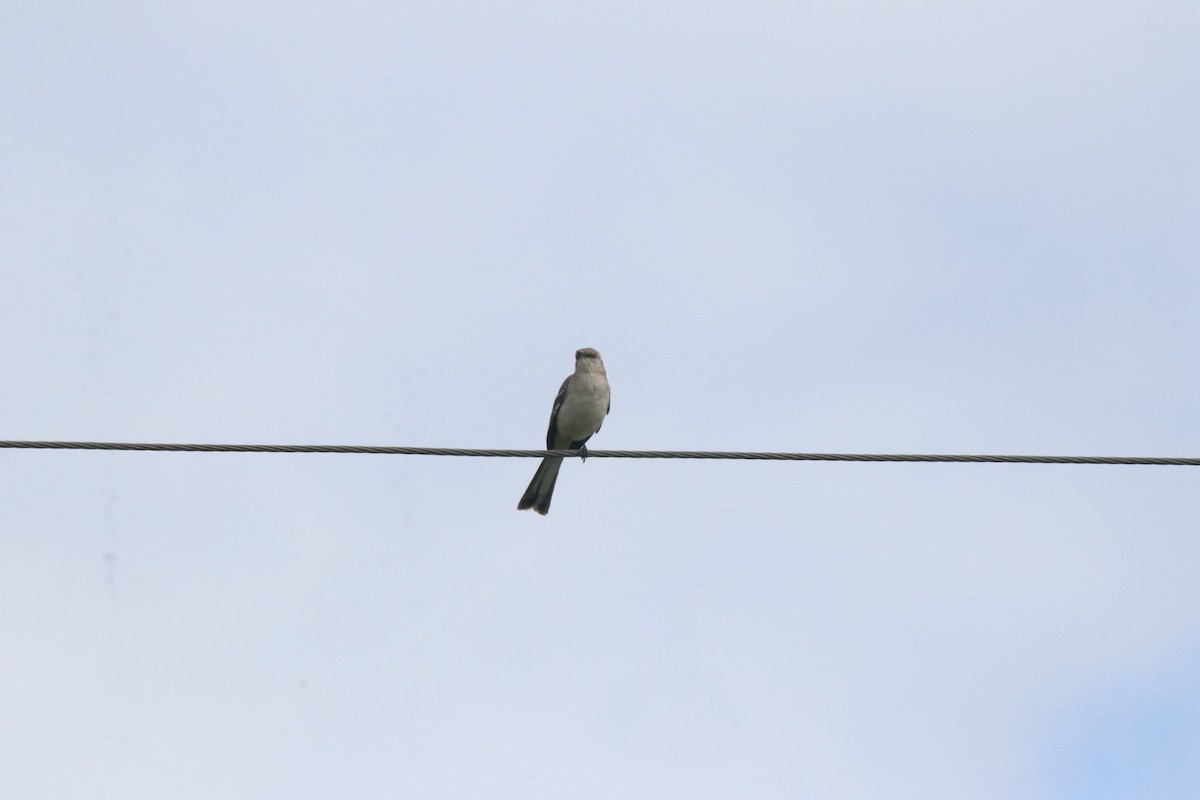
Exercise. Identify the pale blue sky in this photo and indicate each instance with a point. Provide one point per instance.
(935, 227)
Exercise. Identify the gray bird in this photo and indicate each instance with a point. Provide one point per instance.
(579, 411)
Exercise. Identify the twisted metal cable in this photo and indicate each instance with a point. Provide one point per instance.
(691, 454)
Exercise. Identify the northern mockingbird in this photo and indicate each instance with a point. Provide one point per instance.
(578, 412)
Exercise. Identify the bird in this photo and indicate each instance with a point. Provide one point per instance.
(579, 410)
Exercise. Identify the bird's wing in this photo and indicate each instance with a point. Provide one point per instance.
(552, 432)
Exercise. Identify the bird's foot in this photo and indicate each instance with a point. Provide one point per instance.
(583, 452)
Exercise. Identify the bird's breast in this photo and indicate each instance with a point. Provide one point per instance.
(583, 409)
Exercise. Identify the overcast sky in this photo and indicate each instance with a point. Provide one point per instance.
(858, 227)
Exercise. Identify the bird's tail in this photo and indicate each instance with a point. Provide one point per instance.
(541, 488)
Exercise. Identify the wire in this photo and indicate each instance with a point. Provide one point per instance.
(694, 454)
